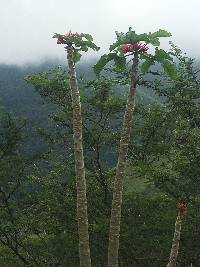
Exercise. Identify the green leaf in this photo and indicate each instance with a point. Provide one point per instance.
(93, 46)
(87, 36)
(118, 43)
(84, 48)
(119, 35)
(131, 37)
(56, 35)
(161, 54)
(154, 41)
(143, 37)
(72, 39)
(98, 67)
(76, 56)
(147, 64)
(154, 37)
(89, 44)
(120, 62)
(169, 68)
(160, 33)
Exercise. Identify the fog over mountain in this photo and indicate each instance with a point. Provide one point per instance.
(28, 25)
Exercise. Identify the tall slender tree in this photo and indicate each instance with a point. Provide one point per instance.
(181, 207)
(134, 46)
(75, 43)
(121, 168)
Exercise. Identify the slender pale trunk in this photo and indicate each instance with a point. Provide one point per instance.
(176, 240)
(84, 249)
(120, 171)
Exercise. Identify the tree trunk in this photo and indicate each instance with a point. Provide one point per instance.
(84, 249)
(175, 242)
(120, 171)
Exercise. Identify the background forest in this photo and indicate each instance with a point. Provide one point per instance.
(38, 224)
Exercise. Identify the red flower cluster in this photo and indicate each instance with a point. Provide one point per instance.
(139, 47)
(71, 34)
(68, 35)
(60, 41)
(126, 48)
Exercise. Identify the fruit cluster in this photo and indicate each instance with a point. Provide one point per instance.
(136, 47)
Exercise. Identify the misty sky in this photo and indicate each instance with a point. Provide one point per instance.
(26, 26)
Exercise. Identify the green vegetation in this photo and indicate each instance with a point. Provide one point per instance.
(38, 224)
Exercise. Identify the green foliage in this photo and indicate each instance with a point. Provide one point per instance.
(154, 37)
(79, 42)
(102, 113)
(131, 37)
(149, 61)
(160, 33)
(161, 54)
(169, 134)
(162, 57)
(87, 36)
(164, 158)
(76, 56)
(38, 197)
(169, 68)
(120, 62)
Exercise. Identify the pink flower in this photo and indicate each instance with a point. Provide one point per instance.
(139, 47)
(127, 48)
(70, 34)
(142, 48)
(60, 41)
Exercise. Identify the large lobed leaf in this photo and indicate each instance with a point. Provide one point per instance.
(120, 62)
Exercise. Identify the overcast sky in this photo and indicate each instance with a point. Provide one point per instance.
(26, 26)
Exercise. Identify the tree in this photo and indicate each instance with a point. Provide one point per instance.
(182, 207)
(129, 44)
(14, 164)
(169, 135)
(75, 43)
(170, 154)
(155, 181)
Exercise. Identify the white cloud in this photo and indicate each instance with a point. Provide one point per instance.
(27, 25)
